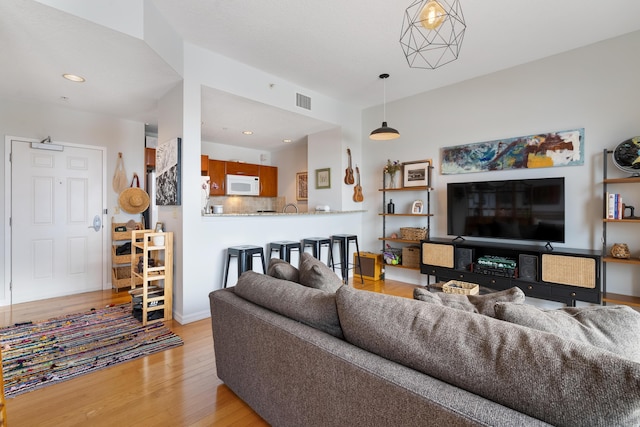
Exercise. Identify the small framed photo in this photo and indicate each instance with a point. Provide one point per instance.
(302, 192)
(417, 174)
(159, 227)
(323, 178)
(417, 207)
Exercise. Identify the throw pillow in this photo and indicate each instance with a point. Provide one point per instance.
(482, 304)
(315, 274)
(616, 328)
(561, 382)
(312, 307)
(281, 269)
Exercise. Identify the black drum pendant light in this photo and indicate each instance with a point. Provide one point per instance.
(384, 132)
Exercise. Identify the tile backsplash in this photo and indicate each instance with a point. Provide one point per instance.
(247, 204)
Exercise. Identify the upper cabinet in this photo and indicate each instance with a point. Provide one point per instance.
(268, 181)
(217, 177)
(150, 158)
(239, 168)
(218, 169)
(204, 165)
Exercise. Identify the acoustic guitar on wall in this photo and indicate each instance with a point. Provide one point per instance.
(348, 177)
(357, 189)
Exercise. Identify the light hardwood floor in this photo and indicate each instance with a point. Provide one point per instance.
(177, 387)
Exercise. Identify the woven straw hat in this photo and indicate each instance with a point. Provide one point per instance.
(134, 200)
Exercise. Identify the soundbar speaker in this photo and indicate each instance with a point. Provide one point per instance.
(528, 267)
(464, 259)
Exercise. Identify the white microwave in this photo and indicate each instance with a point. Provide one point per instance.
(243, 185)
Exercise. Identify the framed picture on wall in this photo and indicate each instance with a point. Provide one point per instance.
(323, 178)
(168, 176)
(302, 192)
(417, 174)
(417, 207)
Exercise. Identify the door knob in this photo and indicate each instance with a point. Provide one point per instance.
(97, 223)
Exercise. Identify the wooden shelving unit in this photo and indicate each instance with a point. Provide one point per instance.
(155, 297)
(608, 297)
(424, 218)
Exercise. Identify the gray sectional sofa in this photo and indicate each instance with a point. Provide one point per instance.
(317, 353)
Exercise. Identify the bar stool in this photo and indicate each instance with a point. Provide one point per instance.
(284, 248)
(343, 241)
(316, 244)
(245, 254)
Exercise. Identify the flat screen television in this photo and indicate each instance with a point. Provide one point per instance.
(520, 209)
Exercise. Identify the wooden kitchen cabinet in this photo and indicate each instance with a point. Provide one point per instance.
(268, 181)
(217, 177)
(239, 168)
(204, 165)
(150, 158)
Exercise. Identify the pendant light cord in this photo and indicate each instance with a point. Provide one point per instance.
(384, 99)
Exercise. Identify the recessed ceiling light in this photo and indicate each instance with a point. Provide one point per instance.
(286, 140)
(247, 132)
(74, 78)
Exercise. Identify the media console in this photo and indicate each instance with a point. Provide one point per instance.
(560, 274)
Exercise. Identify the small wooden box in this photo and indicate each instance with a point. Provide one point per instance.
(371, 265)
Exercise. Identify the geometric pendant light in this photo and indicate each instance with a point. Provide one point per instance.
(432, 33)
(384, 132)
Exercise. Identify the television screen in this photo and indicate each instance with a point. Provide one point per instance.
(523, 209)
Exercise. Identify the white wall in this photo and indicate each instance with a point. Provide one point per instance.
(595, 87)
(221, 151)
(289, 161)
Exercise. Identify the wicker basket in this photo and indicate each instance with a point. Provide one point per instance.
(123, 235)
(458, 287)
(411, 256)
(121, 277)
(413, 233)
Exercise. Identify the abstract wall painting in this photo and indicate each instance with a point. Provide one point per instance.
(168, 180)
(543, 150)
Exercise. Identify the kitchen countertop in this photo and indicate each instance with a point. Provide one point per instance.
(280, 213)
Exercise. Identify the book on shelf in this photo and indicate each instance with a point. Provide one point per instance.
(614, 206)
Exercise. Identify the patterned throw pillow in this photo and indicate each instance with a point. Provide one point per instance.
(482, 304)
(615, 328)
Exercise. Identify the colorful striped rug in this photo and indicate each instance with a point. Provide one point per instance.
(46, 352)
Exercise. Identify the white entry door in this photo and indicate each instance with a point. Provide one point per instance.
(55, 198)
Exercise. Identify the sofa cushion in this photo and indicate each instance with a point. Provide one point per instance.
(615, 328)
(482, 304)
(315, 274)
(562, 382)
(281, 269)
(310, 306)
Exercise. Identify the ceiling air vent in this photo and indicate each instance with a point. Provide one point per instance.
(303, 101)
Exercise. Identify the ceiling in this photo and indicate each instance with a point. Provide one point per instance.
(333, 47)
